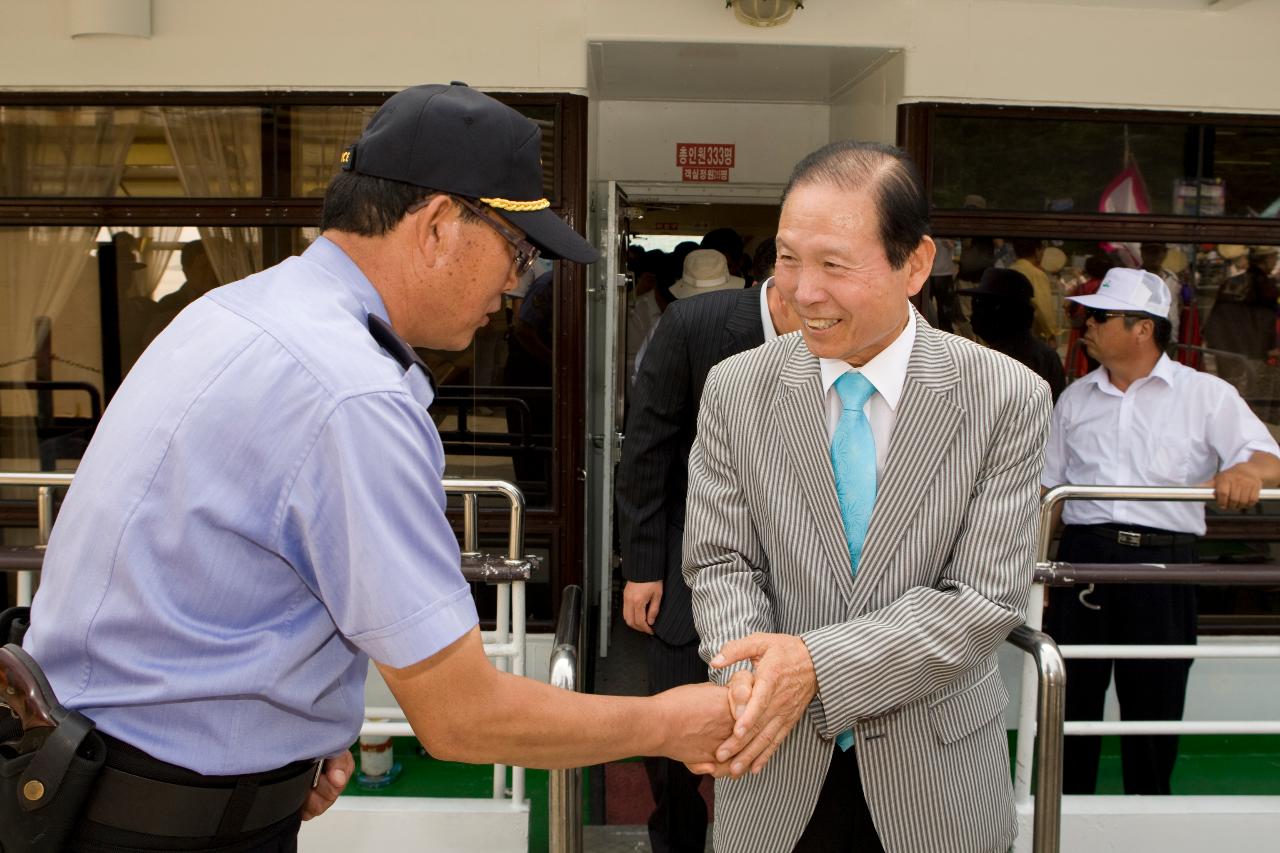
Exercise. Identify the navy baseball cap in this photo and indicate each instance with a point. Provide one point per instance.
(460, 141)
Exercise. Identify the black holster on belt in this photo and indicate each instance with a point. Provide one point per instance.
(49, 759)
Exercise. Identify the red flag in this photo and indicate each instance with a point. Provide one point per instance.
(1125, 194)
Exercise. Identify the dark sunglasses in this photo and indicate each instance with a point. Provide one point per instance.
(1102, 315)
(526, 252)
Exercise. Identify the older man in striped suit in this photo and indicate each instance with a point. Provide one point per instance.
(858, 541)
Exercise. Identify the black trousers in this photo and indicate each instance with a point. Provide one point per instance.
(841, 819)
(281, 837)
(679, 819)
(1147, 689)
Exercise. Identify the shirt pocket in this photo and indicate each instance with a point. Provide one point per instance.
(1170, 457)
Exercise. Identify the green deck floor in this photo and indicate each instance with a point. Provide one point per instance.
(1207, 764)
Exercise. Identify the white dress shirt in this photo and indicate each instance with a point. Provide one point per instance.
(766, 317)
(887, 372)
(1174, 427)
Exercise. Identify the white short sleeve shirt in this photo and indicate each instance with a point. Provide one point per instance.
(1174, 427)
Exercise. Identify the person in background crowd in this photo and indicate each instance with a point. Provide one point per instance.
(1140, 419)
(646, 304)
(1002, 317)
(1243, 318)
(729, 243)
(1029, 252)
(940, 291)
(1079, 360)
(766, 257)
(1153, 255)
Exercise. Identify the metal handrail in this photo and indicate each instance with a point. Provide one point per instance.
(45, 482)
(564, 787)
(1050, 708)
(1057, 494)
(1063, 573)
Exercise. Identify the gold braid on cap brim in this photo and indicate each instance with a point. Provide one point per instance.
(517, 206)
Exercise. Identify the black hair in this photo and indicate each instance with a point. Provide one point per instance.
(998, 319)
(369, 206)
(1026, 247)
(1096, 266)
(766, 258)
(1162, 333)
(895, 183)
(726, 241)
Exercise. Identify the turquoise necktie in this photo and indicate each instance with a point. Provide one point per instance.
(853, 459)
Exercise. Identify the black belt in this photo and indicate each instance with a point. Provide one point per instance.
(1139, 537)
(134, 803)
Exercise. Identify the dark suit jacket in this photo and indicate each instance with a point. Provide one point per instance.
(693, 336)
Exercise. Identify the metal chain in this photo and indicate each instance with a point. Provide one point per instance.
(87, 367)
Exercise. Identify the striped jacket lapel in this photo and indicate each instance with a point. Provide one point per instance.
(800, 421)
(926, 423)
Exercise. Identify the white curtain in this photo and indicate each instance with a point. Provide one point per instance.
(49, 152)
(319, 136)
(52, 152)
(218, 154)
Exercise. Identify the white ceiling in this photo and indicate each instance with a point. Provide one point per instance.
(664, 71)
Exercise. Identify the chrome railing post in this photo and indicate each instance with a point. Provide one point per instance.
(509, 632)
(1050, 709)
(45, 483)
(564, 787)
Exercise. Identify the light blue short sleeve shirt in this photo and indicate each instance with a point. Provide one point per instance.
(260, 511)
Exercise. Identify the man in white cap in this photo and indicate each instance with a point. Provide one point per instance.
(1140, 419)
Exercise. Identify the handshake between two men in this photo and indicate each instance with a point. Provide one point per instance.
(765, 702)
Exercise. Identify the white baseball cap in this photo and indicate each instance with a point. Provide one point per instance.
(1131, 291)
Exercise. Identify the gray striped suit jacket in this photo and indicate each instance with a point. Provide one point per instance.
(904, 654)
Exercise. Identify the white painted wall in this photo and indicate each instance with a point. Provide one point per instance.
(636, 140)
(1176, 54)
(868, 111)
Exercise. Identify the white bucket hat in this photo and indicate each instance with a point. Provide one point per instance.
(705, 271)
(1132, 291)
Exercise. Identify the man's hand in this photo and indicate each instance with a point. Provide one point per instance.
(1237, 487)
(696, 719)
(781, 688)
(334, 774)
(640, 603)
(739, 695)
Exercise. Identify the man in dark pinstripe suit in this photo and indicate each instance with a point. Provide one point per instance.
(859, 632)
(693, 335)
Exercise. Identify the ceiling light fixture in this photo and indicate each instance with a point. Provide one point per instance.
(764, 13)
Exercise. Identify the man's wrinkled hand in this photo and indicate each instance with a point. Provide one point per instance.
(697, 720)
(781, 688)
(334, 774)
(640, 603)
(739, 694)
(1237, 487)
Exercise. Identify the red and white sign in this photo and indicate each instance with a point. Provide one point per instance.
(704, 176)
(705, 154)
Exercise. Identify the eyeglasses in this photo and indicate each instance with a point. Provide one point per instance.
(526, 252)
(1102, 315)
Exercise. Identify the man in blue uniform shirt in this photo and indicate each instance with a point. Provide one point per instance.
(261, 510)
